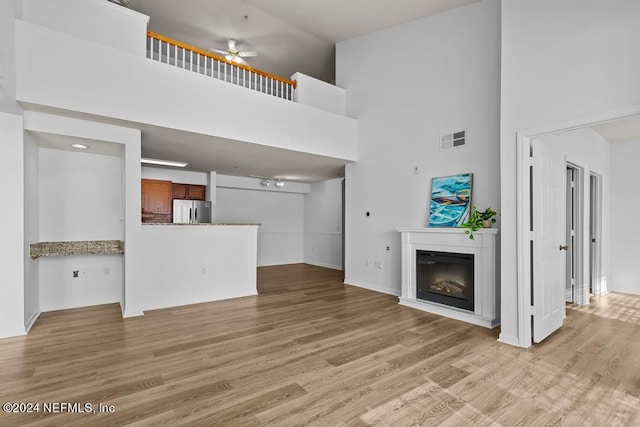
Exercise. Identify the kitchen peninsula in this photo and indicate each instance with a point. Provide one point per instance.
(195, 263)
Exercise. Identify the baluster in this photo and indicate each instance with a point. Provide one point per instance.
(154, 52)
(175, 55)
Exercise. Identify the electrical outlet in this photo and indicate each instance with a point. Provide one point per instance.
(76, 274)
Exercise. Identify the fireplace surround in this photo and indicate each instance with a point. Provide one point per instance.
(479, 258)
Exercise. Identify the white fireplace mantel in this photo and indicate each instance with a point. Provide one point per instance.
(454, 240)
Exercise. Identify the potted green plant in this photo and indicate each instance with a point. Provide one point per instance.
(479, 219)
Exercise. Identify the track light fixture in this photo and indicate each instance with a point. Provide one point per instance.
(265, 181)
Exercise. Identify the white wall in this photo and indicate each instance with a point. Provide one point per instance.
(216, 262)
(31, 229)
(451, 82)
(8, 11)
(318, 94)
(80, 199)
(323, 224)
(11, 227)
(588, 150)
(80, 196)
(625, 205)
(96, 79)
(561, 60)
(93, 20)
(281, 219)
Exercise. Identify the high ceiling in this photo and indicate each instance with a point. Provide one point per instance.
(289, 35)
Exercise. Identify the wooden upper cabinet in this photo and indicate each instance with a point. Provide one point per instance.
(180, 191)
(156, 200)
(197, 192)
(189, 191)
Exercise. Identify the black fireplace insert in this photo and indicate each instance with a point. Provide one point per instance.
(445, 278)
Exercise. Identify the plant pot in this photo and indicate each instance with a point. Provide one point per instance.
(487, 223)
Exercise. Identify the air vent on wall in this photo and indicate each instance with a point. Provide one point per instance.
(453, 140)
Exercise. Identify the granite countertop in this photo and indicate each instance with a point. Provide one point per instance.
(77, 247)
(205, 223)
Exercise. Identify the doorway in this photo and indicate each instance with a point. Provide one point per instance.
(595, 235)
(574, 285)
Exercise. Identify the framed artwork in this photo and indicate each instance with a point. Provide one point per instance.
(450, 200)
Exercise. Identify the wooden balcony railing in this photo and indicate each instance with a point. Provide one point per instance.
(181, 55)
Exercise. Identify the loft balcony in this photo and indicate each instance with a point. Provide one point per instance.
(157, 83)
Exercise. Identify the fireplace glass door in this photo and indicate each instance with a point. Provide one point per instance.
(445, 278)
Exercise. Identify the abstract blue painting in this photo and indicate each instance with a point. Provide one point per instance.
(450, 200)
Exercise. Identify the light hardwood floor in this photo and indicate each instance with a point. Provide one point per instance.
(309, 350)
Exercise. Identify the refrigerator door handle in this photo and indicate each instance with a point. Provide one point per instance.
(196, 217)
(189, 214)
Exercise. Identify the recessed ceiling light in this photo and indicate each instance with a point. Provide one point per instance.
(80, 146)
(163, 162)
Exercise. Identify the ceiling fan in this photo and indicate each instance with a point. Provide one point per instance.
(233, 54)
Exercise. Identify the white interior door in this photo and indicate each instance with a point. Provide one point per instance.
(549, 246)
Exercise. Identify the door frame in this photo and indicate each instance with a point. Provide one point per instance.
(524, 262)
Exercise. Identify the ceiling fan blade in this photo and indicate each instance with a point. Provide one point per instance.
(232, 44)
(247, 54)
(239, 60)
(221, 52)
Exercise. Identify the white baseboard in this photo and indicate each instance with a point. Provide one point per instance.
(509, 339)
(319, 264)
(622, 291)
(132, 313)
(381, 289)
(31, 321)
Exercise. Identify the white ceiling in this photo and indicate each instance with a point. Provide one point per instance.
(620, 130)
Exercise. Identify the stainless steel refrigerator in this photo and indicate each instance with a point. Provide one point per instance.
(192, 211)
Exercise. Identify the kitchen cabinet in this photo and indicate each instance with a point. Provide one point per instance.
(189, 191)
(156, 200)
